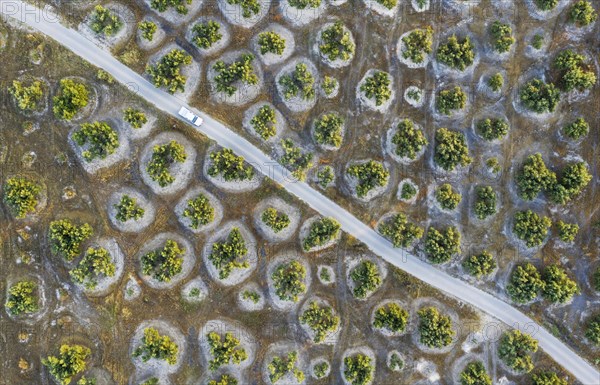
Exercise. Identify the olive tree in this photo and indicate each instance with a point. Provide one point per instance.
(502, 36)
(229, 254)
(480, 264)
(206, 34)
(534, 177)
(280, 366)
(271, 42)
(164, 156)
(456, 53)
(576, 129)
(441, 245)
(451, 149)
(336, 42)
(408, 140)
(163, 5)
(369, 175)
(321, 319)
(576, 71)
(447, 197)
(289, 280)
(164, 263)
(391, 317)
(229, 166)
(300, 82)
(558, 287)
(295, 160)
(104, 21)
(100, 140)
(167, 72)
(154, 345)
(358, 369)
(21, 195)
(70, 99)
(377, 87)
(525, 283)
(400, 231)
(514, 349)
(539, 96)
(66, 238)
(23, 298)
(366, 278)
(71, 360)
(475, 374)
(264, 122)
(449, 100)
(582, 13)
(417, 44)
(148, 29)
(328, 130)
(238, 71)
(225, 351)
(435, 328)
(96, 263)
(28, 98)
(199, 211)
(531, 228)
(547, 378)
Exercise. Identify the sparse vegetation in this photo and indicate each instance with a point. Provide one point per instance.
(450, 100)
(369, 175)
(167, 72)
(417, 44)
(451, 149)
(325, 176)
(199, 211)
(206, 34)
(70, 361)
(225, 379)
(28, 98)
(479, 265)
(225, 352)
(23, 298)
(502, 36)
(70, 99)
(514, 349)
(264, 122)
(164, 263)
(456, 53)
(163, 157)
(547, 378)
(303, 4)
(377, 87)
(96, 263)
(22, 196)
(328, 130)
(408, 139)
(485, 202)
(229, 166)
(229, 254)
(321, 320)
(336, 42)
(558, 287)
(300, 82)
(156, 346)
(400, 232)
(135, 118)
(447, 197)
(525, 283)
(66, 238)
(358, 369)
(435, 328)
(163, 5)
(104, 21)
(366, 279)
(320, 233)
(275, 220)
(295, 160)
(100, 140)
(148, 29)
(441, 245)
(282, 365)
(391, 317)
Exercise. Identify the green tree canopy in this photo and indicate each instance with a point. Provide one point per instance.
(229, 254)
(400, 232)
(456, 53)
(481, 264)
(163, 157)
(299, 82)
(164, 263)
(289, 280)
(167, 72)
(157, 346)
(531, 228)
(96, 263)
(525, 283)
(230, 166)
(475, 374)
(417, 44)
(358, 369)
(441, 245)
(28, 98)
(70, 99)
(408, 139)
(100, 140)
(514, 349)
(229, 75)
(391, 317)
(336, 42)
(70, 361)
(435, 328)
(369, 175)
(295, 160)
(199, 211)
(366, 278)
(66, 238)
(23, 298)
(558, 287)
(21, 195)
(450, 100)
(378, 87)
(321, 232)
(539, 96)
(225, 351)
(321, 319)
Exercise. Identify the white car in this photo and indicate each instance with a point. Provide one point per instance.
(190, 116)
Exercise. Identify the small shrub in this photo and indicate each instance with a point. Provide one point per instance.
(415, 94)
(28, 98)
(328, 130)
(66, 238)
(264, 122)
(275, 220)
(531, 228)
(294, 160)
(408, 191)
(325, 176)
(167, 72)
(22, 196)
(546, 5)
(320, 369)
(592, 332)
(303, 4)
(229, 166)
(493, 165)
(525, 283)
(164, 263)
(358, 369)
(475, 374)
(320, 233)
(558, 287)
(369, 175)
(408, 139)
(70, 361)
(321, 320)
(547, 378)
(378, 87)
(391, 317)
(514, 349)
(400, 232)
(105, 21)
(299, 82)
(479, 265)
(23, 298)
(280, 366)
(148, 29)
(229, 254)
(135, 118)
(101, 140)
(539, 97)
(451, 149)
(271, 42)
(249, 7)
(447, 197)
(329, 85)
(163, 5)
(396, 362)
(537, 41)
(206, 34)
(492, 128)
(495, 82)
(336, 42)
(199, 211)
(70, 99)
(567, 231)
(96, 262)
(325, 275)
(417, 44)
(105, 76)
(251, 295)
(450, 100)
(366, 279)
(582, 13)
(156, 346)
(502, 36)
(435, 329)
(577, 129)
(225, 379)
(163, 157)
(485, 202)
(225, 352)
(455, 53)
(440, 246)
(240, 70)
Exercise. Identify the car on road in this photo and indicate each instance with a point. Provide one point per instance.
(190, 116)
